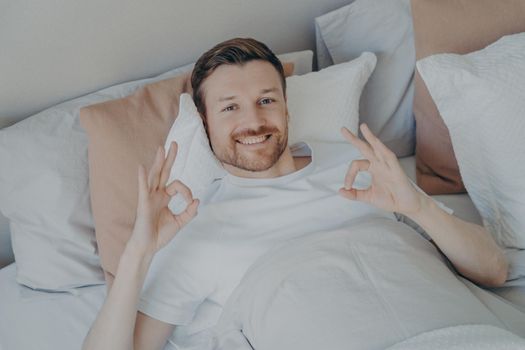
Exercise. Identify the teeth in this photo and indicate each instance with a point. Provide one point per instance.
(252, 140)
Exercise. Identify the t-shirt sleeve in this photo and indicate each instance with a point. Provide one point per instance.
(176, 282)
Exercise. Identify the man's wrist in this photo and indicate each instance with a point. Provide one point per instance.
(425, 206)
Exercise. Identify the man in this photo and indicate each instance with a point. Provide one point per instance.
(240, 91)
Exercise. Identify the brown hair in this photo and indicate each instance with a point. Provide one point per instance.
(234, 51)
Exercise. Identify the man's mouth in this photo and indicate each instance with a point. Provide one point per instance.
(253, 140)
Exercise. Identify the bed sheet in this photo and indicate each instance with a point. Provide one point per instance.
(31, 319)
(39, 320)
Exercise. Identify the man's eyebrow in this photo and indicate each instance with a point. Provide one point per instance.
(273, 89)
(227, 98)
(263, 91)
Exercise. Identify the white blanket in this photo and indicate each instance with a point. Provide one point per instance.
(370, 286)
(466, 337)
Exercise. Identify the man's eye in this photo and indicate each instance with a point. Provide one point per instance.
(266, 101)
(229, 108)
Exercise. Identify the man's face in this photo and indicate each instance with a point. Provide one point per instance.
(246, 115)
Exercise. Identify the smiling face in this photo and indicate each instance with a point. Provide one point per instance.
(246, 117)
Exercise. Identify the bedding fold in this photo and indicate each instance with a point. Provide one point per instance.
(465, 337)
(368, 286)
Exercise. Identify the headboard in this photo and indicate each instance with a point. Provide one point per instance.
(55, 50)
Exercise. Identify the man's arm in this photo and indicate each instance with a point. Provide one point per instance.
(469, 247)
(118, 324)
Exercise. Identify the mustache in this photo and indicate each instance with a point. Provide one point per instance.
(263, 130)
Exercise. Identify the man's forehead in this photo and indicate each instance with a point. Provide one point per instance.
(227, 81)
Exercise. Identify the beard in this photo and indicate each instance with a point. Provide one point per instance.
(260, 159)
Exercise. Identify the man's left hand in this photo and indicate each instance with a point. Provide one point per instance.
(390, 189)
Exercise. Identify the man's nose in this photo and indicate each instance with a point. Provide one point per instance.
(254, 118)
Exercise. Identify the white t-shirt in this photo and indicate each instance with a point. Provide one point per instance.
(239, 220)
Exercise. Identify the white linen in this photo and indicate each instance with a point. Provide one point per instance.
(466, 337)
(196, 165)
(383, 27)
(320, 103)
(36, 320)
(367, 286)
(480, 96)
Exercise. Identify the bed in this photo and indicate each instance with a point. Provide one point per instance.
(73, 55)
(27, 311)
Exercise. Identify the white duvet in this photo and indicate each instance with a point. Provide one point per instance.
(466, 337)
(373, 285)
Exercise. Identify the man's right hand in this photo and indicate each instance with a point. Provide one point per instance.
(155, 224)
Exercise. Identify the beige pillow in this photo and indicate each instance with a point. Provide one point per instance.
(453, 26)
(124, 133)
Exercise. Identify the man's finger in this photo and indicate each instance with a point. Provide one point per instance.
(356, 195)
(382, 151)
(355, 167)
(168, 164)
(362, 146)
(189, 213)
(154, 172)
(178, 187)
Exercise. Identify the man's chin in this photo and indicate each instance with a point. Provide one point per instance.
(253, 165)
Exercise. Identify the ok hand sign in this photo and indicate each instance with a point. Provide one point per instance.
(155, 224)
(390, 189)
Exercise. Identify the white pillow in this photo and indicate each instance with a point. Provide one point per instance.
(320, 103)
(44, 189)
(383, 27)
(44, 192)
(481, 97)
(196, 165)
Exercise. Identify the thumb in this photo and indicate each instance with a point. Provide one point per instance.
(348, 193)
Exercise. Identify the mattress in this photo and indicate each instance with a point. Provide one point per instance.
(32, 319)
